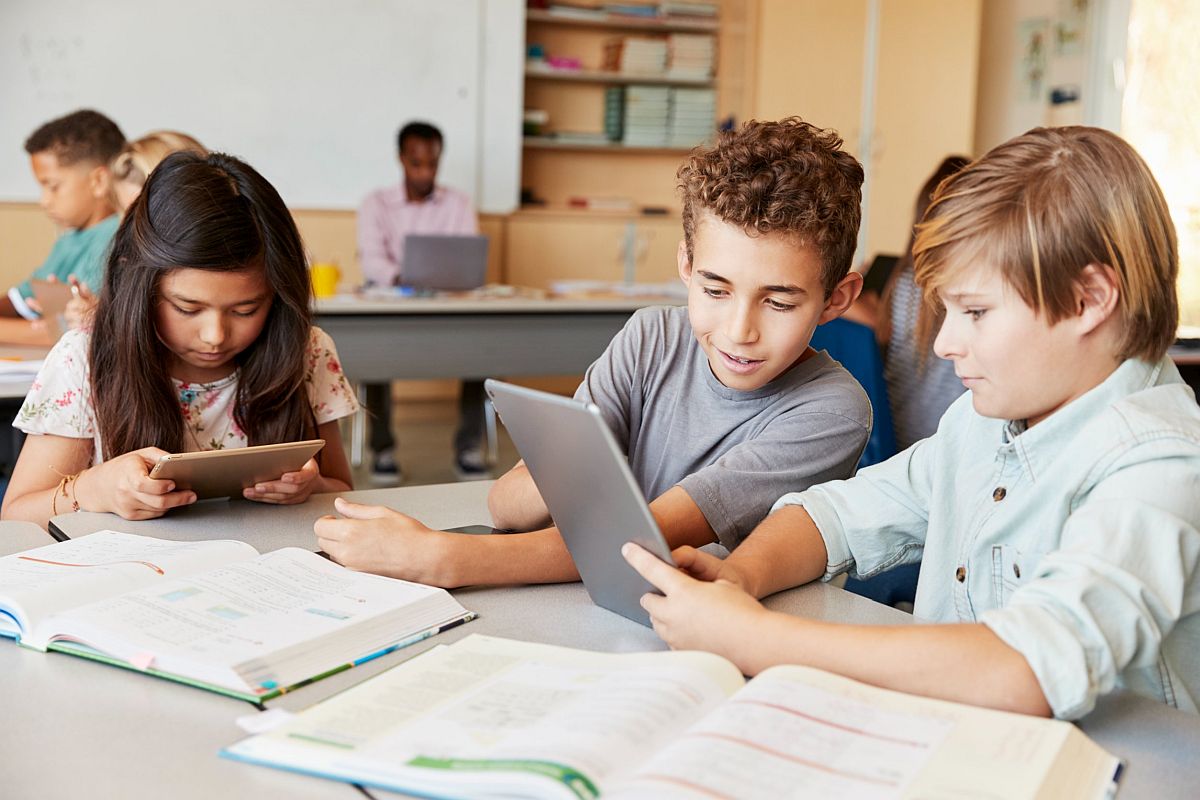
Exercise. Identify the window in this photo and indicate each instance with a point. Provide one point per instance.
(1160, 116)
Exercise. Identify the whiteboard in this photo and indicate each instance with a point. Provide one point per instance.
(309, 92)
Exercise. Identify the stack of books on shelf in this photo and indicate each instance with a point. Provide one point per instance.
(639, 10)
(636, 55)
(574, 11)
(690, 56)
(647, 112)
(683, 8)
(691, 116)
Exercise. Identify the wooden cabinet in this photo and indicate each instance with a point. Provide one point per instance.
(546, 246)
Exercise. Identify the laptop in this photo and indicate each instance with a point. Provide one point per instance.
(444, 263)
(585, 480)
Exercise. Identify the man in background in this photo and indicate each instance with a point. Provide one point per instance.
(416, 206)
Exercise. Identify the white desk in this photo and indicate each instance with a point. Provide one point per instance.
(436, 337)
(1158, 743)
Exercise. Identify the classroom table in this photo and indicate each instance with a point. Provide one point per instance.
(20, 340)
(1158, 743)
(382, 339)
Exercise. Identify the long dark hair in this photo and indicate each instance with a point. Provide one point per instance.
(200, 212)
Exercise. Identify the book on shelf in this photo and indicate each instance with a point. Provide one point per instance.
(577, 11)
(614, 113)
(637, 55)
(683, 8)
(488, 717)
(213, 614)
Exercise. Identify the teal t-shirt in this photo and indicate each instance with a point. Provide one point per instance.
(81, 253)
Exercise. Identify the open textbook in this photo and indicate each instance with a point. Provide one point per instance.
(214, 614)
(487, 717)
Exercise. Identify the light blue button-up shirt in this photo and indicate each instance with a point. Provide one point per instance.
(1076, 541)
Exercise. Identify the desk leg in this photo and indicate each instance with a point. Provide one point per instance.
(358, 428)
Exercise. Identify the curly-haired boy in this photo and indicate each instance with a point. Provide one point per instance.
(721, 406)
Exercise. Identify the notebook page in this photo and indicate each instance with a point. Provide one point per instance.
(485, 711)
(39, 582)
(245, 612)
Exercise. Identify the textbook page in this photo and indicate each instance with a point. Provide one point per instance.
(269, 622)
(800, 732)
(39, 582)
(492, 717)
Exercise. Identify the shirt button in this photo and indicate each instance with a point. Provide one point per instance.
(960, 574)
(999, 493)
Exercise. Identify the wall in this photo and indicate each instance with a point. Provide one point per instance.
(1004, 106)
(810, 62)
(314, 105)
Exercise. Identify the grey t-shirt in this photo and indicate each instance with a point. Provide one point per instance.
(735, 453)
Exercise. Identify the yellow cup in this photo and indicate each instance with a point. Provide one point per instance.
(325, 279)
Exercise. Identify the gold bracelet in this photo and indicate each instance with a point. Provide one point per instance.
(62, 489)
(54, 499)
(74, 487)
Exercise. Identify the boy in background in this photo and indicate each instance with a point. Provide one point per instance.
(70, 157)
(387, 216)
(719, 406)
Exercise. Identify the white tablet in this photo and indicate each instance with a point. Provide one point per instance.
(225, 473)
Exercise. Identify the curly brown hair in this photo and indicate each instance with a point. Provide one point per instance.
(785, 177)
(84, 135)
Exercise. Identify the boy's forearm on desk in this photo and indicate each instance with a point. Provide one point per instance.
(509, 558)
(785, 550)
(965, 662)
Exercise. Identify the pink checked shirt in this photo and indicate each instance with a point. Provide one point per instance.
(387, 216)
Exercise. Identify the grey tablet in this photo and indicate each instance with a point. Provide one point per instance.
(444, 263)
(585, 481)
(224, 473)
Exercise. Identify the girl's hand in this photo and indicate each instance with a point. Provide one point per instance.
(291, 488)
(691, 614)
(123, 486)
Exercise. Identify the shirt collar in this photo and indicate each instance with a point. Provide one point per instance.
(793, 376)
(1042, 444)
(435, 197)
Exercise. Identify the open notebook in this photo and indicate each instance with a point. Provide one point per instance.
(487, 717)
(214, 614)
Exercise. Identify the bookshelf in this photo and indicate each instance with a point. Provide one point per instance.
(636, 92)
(555, 240)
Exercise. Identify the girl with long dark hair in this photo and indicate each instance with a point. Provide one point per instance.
(203, 339)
